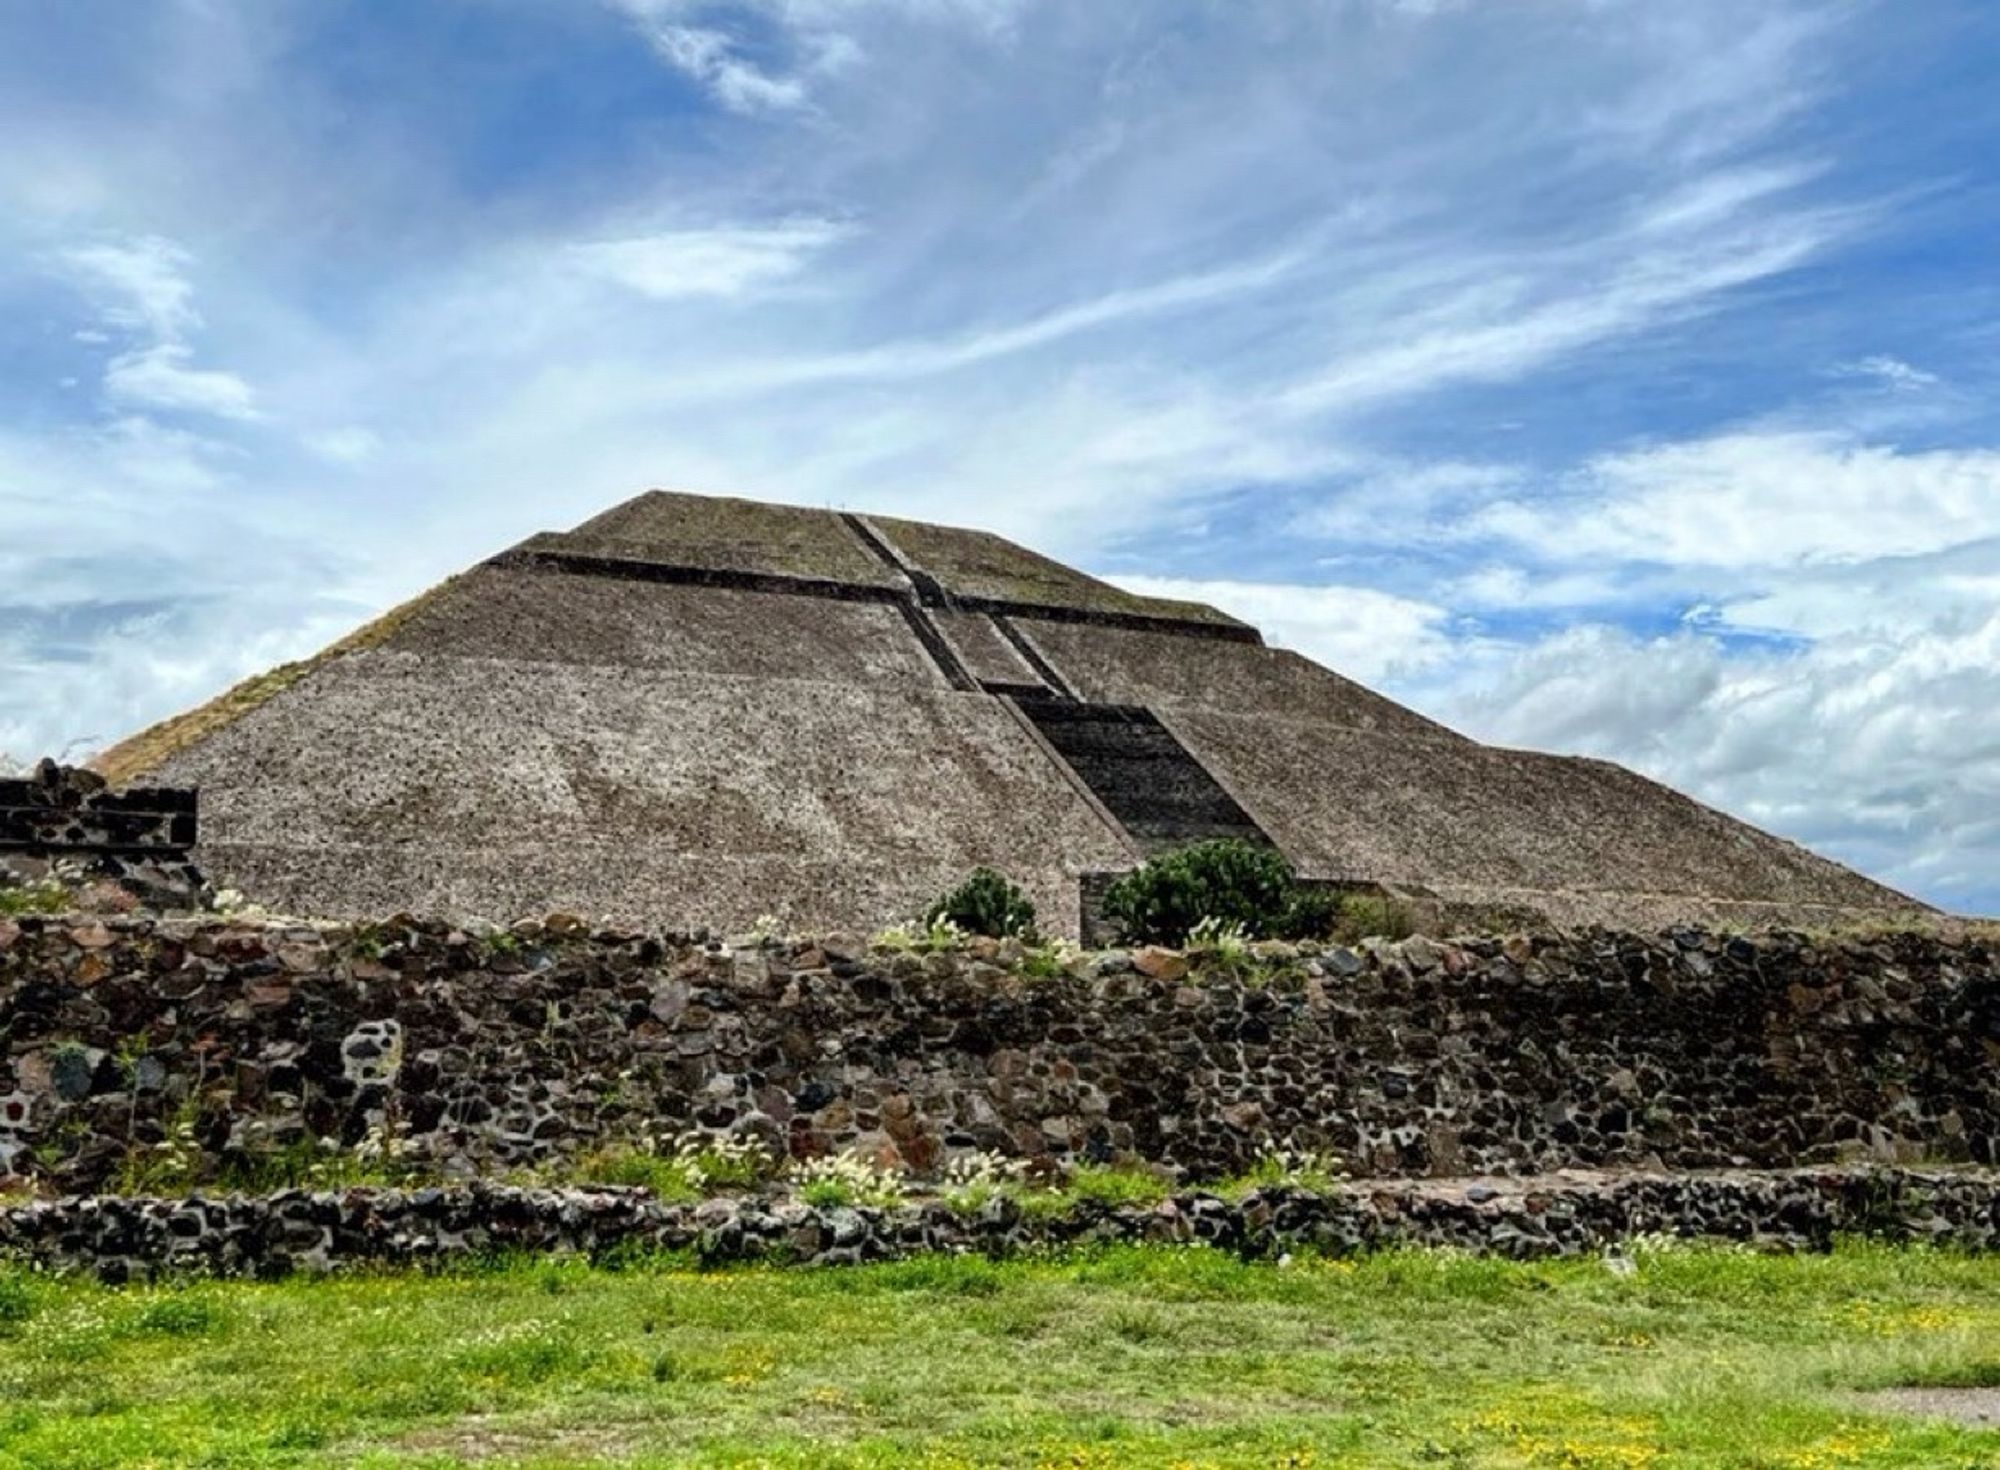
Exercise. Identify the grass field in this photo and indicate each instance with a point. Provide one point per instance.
(1696, 1357)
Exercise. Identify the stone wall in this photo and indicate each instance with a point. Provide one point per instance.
(63, 821)
(66, 809)
(1422, 1058)
(124, 1239)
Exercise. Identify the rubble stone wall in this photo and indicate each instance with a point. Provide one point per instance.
(122, 1239)
(66, 809)
(1518, 1055)
(64, 822)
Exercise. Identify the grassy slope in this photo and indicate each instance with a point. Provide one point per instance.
(136, 756)
(1131, 1357)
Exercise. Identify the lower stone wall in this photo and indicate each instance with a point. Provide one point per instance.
(123, 1238)
(135, 1038)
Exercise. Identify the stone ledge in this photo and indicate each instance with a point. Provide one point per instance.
(121, 1238)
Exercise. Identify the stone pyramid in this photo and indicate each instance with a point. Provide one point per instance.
(695, 712)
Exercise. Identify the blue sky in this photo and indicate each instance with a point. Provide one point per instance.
(1597, 375)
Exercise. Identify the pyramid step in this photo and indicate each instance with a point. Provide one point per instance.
(1152, 784)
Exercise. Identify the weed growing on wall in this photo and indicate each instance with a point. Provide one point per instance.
(1102, 1184)
(938, 936)
(178, 1162)
(1049, 961)
(1288, 1167)
(43, 898)
(169, 1166)
(846, 1179)
(692, 1165)
(1219, 946)
(971, 1181)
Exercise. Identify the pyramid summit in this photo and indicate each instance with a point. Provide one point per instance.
(696, 711)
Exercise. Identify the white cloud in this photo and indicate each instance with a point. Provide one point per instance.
(704, 39)
(1720, 196)
(159, 377)
(1358, 631)
(1890, 372)
(139, 284)
(1505, 588)
(1873, 748)
(1386, 500)
(1503, 323)
(1714, 91)
(1763, 500)
(714, 262)
(132, 582)
(922, 357)
(351, 445)
(1837, 658)
(141, 288)
(710, 57)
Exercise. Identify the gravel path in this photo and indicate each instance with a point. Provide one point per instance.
(1979, 1407)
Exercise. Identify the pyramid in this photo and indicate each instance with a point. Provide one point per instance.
(694, 711)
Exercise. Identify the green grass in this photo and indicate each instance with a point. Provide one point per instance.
(38, 899)
(1126, 1357)
(1107, 1184)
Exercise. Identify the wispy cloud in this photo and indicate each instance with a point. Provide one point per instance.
(141, 290)
(711, 56)
(352, 445)
(1890, 372)
(922, 357)
(1519, 317)
(161, 377)
(803, 41)
(139, 285)
(729, 261)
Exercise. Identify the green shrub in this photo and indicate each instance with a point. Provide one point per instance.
(1227, 886)
(1326, 913)
(1225, 880)
(1312, 913)
(985, 903)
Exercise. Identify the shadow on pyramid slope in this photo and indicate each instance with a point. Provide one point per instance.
(697, 711)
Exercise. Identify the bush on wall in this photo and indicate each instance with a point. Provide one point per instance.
(1226, 880)
(985, 903)
(1228, 883)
